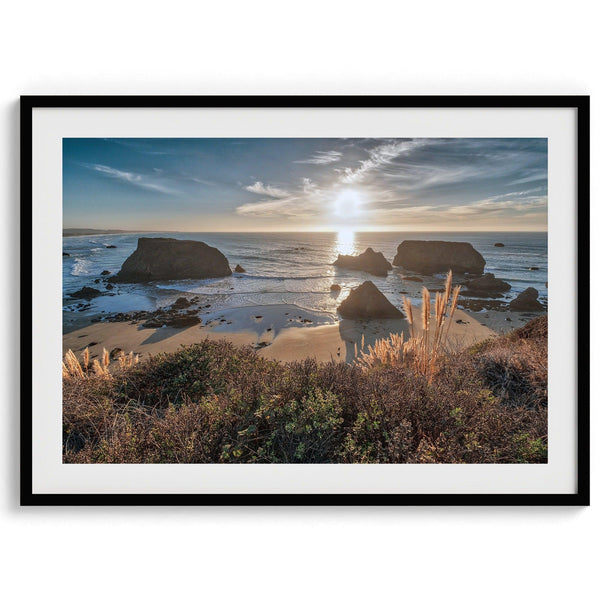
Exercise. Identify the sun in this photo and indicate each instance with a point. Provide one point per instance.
(347, 203)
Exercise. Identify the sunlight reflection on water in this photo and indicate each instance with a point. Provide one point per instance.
(345, 243)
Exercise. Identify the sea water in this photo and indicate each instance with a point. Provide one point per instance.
(286, 268)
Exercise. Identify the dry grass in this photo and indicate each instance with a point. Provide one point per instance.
(214, 403)
(75, 369)
(422, 350)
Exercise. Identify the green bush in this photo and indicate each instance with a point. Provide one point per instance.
(213, 402)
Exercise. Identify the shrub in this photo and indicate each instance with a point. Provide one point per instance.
(213, 402)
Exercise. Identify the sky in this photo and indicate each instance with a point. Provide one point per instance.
(306, 184)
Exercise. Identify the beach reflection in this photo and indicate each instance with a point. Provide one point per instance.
(345, 243)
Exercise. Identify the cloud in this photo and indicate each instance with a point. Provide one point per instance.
(303, 203)
(321, 157)
(136, 179)
(266, 190)
(380, 156)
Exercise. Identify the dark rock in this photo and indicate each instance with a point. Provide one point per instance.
(111, 246)
(181, 302)
(546, 284)
(109, 286)
(499, 245)
(105, 272)
(486, 286)
(170, 320)
(239, 269)
(86, 293)
(180, 321)
(153, 324)
(411, 278)
(66, 254)
(96, 281)
(527, 301)
(430, 257)
(369, 261)
(534, 268)
(336, 288)
(115, 352)
(158, 259)
(367, 302)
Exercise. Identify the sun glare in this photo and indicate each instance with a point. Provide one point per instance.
(347, 203)
(345, 241)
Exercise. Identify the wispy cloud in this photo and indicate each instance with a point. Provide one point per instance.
(147, 182)
(266, 190)
(380, 156)
(303, 202)
(321, 157)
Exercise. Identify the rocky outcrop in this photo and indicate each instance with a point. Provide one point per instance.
(499, 245)
(369, 261)
(527, 301)
(86, 293)
(66, 254)
(178, 321)
(239, 269)
(367, 302)
(486, 286)
(335, 287)
(181, 302)
(430, 257)
(157, 259)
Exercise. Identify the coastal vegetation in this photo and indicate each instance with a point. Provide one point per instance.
(213, 402)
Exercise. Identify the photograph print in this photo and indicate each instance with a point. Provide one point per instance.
(305, 300)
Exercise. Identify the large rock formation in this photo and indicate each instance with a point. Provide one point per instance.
(436, 257)
(367, 302)
(166, 258)
(369, 261)
(486, 286)
(527, 301)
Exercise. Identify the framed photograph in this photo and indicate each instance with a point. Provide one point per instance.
(305, 300)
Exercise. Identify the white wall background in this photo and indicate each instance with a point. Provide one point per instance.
(262, 47)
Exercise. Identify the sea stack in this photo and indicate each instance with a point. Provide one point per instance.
(369, 261)
(159, 259)
(429, 257)
(367, 302)
(527, 301)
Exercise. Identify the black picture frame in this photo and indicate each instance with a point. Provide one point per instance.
(582, 106)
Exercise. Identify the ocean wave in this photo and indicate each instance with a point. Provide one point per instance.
(280, 277)
(81, 267)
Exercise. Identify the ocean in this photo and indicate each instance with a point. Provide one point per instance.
(285, 268)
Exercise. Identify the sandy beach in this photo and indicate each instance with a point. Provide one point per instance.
(283, 332)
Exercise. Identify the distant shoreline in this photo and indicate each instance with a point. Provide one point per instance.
(81, 231)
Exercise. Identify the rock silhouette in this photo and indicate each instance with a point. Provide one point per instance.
(527, 301)
(369, 261)
(157, 259)
(430, 257)
(367, 302)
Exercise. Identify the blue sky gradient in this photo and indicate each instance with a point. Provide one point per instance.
(308, 184)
